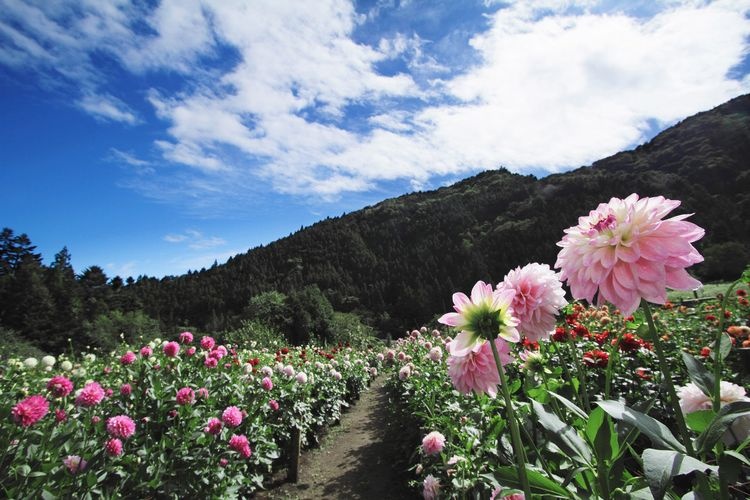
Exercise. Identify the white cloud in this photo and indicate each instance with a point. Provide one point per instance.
(195, 240)
(307, 110)
(123, 270)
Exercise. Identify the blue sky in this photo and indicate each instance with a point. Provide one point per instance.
(156, 137)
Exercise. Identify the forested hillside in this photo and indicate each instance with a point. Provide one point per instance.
(397, 263)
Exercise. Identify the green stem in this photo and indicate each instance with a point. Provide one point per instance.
(515, 434)
(667, 373)
(583, 387)
(614, 354)
(717, 349)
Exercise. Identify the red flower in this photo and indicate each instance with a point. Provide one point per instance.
(643, 373)
(630, 342)
(710, 317)
(601, 338)
(596, 358)
(706, 352)
(741, 292)
(560, 334)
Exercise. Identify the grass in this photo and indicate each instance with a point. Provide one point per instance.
(708, 290)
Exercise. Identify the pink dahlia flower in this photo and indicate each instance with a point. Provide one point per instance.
(626, 251)
(202, 393)
(513, 496)
(433, 443)
(273, 404)
(60, 415)
(91, 395)
(241, 445)
(232, 416)
(692, 398)
(30, 410)
(207, 343)
(185, 396)
(267, 383)
(59, 386)
(301, 378)
(171, 349)
(191, 351)
(213, 426)
(74, 464)
(186, 338)
(120, 426)
(488, 312)
(128, 358)
(430, 488)
(404, 372)
(538, 298)
(113, 447)
(126, 389)
(477, 370)
(146, 351)
(436, 353)
(210, 362)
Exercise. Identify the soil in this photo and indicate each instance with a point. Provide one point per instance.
(361, 458)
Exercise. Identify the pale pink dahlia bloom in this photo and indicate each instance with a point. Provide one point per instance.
(625, 251)
(477, 371)
(693, 399)
(487, 312)
(539, 296)
(74, 464)
(30, 410)
(121, 426)
(435, 354)
(267, 383)
(430, 488)
(433, 443)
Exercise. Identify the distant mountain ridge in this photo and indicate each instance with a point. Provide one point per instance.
(398, 262)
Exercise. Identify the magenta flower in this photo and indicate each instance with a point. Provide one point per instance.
(59, 386)
(126, 389)
(30, 410)
(431, 488)
(625, 251)
(433, 443)
(186, 338)
(74, 464)
(241, 445)
(190, 351)
(267, 383)
(232, 416)
(213, 426)
(273, 404)
(208, 343)
(202, 393)
(487, 313)
(128, 358)
(120, 426)
(146, 351)
(113, 447)
(185, 396)
(91, 395)
(538, 298)
(171, 349)
(210, 362)
(60, 415)
(477, 370)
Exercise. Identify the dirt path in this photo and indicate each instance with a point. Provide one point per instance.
(362, 458)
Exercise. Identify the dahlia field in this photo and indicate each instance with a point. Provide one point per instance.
(167, 419)
(527, 395)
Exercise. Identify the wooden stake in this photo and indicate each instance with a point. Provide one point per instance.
(293, 475)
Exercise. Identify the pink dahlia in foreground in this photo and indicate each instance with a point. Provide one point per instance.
(91, 395)
(120, 426)
(171, 349)
(538, 298)
(186, 338)
(128, 358)
(232, 416)
(213, 426)
(113, 447)
(241, 445)
(626, 251)
(477, 371)
(430, 488)
(433, 443)
(60, 386)
(185, 396)
(74, 464)
(30, 410)
(486, 313)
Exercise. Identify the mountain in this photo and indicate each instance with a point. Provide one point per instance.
(398, 262)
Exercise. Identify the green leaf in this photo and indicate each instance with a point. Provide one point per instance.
(720, 423)
(739, 456)
(725, 345)
(539, 483)
(659, 434)
(601, 433)
(699, 374)
(570, 405)
(699, 420)
(644, 332)
(46, 495)
(563, 435)
(660, 466)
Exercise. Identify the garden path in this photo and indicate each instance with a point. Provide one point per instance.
(361, 458)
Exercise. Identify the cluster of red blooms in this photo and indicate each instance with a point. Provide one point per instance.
(530, 345)
(281, 353)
